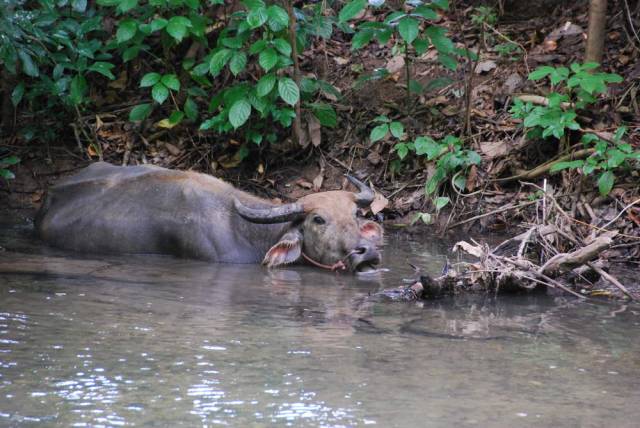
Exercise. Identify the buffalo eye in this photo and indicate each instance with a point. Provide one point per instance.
(318, 220)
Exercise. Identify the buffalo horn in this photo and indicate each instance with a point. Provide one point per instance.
(276, 214)
(365, 195)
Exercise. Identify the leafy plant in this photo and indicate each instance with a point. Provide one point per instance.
(509, 50)
(607, 157)
(574, 88)
(384, 127)
(53, 47)
(5, 163)
(410, 29)
(450, 157)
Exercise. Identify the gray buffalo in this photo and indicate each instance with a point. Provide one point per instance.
(148, 209)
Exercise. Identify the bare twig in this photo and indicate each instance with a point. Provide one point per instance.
(612, 280)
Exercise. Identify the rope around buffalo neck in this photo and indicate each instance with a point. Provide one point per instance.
(339, 265)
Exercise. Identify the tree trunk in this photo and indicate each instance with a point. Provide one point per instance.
(596, 32)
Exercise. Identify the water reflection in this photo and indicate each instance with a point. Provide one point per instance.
(87, 341)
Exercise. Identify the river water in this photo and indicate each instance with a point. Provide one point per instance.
(155, 341)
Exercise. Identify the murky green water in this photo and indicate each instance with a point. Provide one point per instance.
(163, 342)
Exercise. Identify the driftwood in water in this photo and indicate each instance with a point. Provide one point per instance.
(554, 253)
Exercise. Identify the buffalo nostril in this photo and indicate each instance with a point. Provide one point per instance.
(360, 250)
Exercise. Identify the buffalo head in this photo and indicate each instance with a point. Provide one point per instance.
(325, 229)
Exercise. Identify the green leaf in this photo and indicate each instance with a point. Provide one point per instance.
(351, 9)
(541, 72)
(424, 217)
(239, 113)
(442, 4)
(428, 146)
(177, 27)
(103, 68)
(238, 62)
(265, 84)
(379, 132)
(278, 18)
(402, 150)
(615, 158)
(126, 30)
(150, 79)
(29, 67)
(566, 165)
(426, 12)
(158, 24)
(9, 160)
(617, 137)
(438, 37)
(325, 114)
(6, 174)
(605, 182)
(362, 38)
(288, 90)
(421, 45)
(448, 61)
(159, 93)
(79, 5)
(176, 117)
(78, 89)
(408, 29)
(257, 17)
(219, 60)
(17, 94)
(268, 58)
(397, 129)
(440, 202)
(126, 5)
(258, 46)
(191, 109)
(232, 42)
(140, 112)
(171, 81)
(282, 46)
(131, 53)
(259, 103)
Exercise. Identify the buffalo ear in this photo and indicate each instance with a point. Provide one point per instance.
(371, 231)
(287, 250)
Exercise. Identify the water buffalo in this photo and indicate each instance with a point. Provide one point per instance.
(148, 209)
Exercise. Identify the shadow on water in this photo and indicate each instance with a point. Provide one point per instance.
(106, 340)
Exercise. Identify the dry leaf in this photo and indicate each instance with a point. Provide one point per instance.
(374, 158)
(99, 123)
(164, 123)
(379, 203)
(472, 178)
(395, 64)
(172, 149)
(91, 150)
(469, 249)
(304, 184)
(317, 182)
(494, 149)
(485, 66)
(120, 82)
(449, 110)
(340, 60)
(314, 130)
(512, 83)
